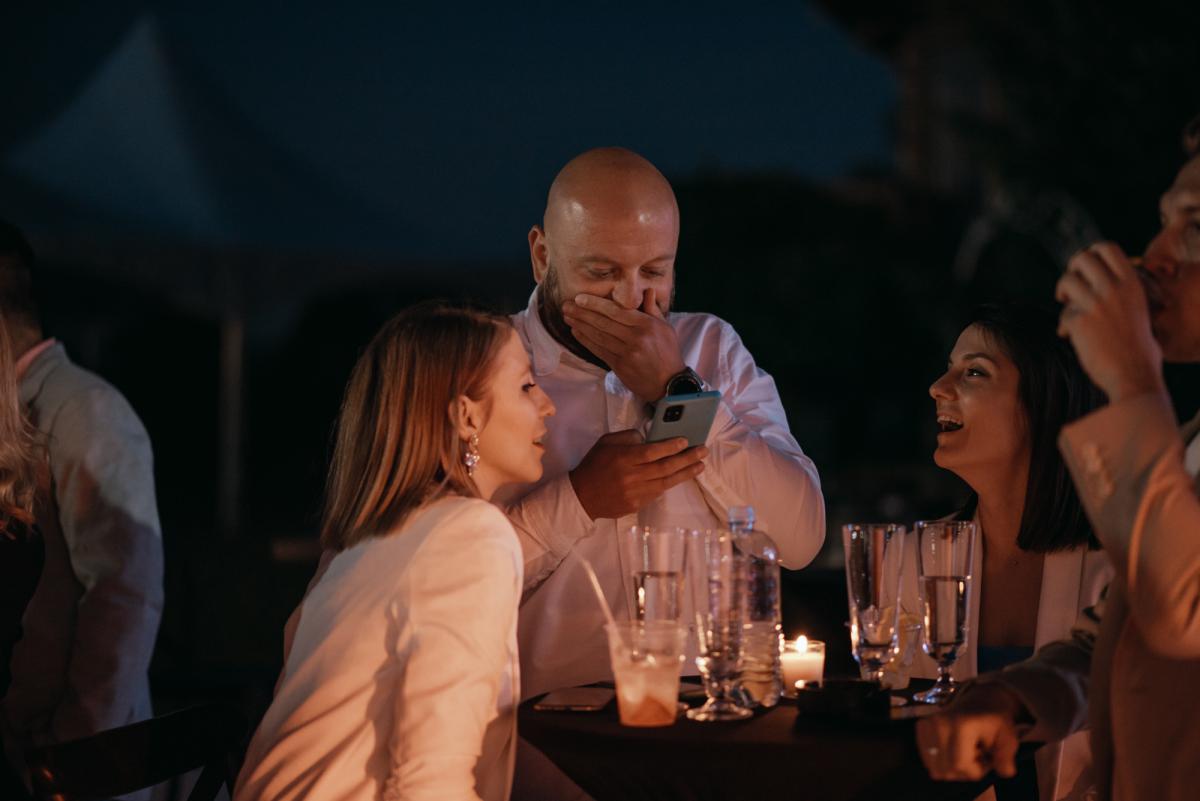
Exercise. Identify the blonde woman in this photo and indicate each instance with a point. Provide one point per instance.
(400, 678)
(21, 548)
(20, 545)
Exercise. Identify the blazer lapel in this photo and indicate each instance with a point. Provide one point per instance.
(1058, 605)
(1190, 429)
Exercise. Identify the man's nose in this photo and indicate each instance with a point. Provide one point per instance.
(1163, 254)
(628, 293)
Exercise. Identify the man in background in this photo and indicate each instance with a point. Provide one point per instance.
(1130, 671)
(89, 630)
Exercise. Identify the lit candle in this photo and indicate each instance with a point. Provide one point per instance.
(803, 662)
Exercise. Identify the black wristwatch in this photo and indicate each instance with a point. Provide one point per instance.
(685, 382)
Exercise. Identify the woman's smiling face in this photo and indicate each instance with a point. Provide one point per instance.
(981, 424)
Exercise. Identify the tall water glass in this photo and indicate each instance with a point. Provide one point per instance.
(874, 568)
(946, 550)
(656, 557)
(718, 575)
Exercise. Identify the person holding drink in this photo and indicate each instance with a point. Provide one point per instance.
(1010, 386)
(400, 675)
(1131, 666)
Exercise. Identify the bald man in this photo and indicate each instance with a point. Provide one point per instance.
(604, 344)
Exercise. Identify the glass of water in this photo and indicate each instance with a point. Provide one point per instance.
(946, 553)
(717, 584)
(656, 558)
(874, 568)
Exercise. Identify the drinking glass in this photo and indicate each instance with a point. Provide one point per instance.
(656, 558)
(719, 598)
(946, 549)
(898, 672)
(646, 657)
(874, 568)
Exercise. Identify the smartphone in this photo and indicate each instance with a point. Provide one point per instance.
(689, 416)
(575, 699)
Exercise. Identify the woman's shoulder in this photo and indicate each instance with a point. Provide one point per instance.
(471, 534)
(474, 519)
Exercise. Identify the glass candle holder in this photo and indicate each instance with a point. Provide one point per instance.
(803, 661)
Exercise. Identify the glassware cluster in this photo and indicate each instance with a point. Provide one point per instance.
(726, 581)
(881, 559)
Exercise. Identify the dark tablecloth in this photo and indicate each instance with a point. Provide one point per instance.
(775, 755)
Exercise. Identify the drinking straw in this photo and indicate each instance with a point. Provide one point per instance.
(599, 592)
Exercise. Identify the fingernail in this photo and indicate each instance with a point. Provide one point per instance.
(581, 299)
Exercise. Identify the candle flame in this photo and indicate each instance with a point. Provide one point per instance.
(802, 644)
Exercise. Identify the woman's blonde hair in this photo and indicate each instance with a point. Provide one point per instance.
(397, 445)
(19, 449)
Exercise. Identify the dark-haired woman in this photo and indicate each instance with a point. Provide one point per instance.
(1010, 386)
(400, 673)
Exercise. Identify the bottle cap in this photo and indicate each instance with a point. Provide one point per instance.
(741, 516)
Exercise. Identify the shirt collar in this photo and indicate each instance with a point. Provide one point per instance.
(545, 351)
(29, 356)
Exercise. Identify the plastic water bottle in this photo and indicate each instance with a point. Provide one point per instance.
(760, 680)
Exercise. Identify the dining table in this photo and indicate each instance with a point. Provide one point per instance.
(783, 753)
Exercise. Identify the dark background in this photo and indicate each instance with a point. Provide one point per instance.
(229, 200)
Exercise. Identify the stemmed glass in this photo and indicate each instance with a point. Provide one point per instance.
(874, 568)
(717, 576)
(946, 552)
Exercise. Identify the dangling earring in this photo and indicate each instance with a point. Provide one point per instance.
(471, 457)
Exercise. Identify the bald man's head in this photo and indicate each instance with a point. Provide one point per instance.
(610, 229)
(610, 182)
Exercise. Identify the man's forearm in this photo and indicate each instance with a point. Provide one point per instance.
(777, 479)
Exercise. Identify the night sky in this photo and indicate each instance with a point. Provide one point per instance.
(433, 132)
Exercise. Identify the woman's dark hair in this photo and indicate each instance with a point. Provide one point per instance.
(1191, 137)
(1053, 390)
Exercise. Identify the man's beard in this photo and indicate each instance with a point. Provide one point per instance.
(550, 304)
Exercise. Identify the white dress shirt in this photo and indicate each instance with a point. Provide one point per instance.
(753, 460)
(401, 679)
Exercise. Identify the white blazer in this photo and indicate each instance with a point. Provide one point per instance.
(1071, 581)
(400, 676)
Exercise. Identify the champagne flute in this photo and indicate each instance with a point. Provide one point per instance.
(946, 552)
(874, 569)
